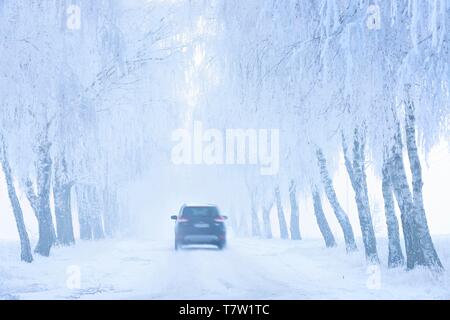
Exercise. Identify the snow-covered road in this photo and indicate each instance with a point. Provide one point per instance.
(247, 269)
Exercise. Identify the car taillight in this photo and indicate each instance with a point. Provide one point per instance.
(219, 219)
(182, 220)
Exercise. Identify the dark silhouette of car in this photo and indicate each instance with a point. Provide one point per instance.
(200, 224)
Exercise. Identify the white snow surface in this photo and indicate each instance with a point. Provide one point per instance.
(246, 269)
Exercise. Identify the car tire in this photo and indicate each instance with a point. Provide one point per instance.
(221, 245)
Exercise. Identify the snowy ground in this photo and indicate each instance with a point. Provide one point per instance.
(247, 269)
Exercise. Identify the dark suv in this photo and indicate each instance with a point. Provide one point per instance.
(199, 224)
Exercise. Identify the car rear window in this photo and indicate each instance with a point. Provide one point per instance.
(200, 212)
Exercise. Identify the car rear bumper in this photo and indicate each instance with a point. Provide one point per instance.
(200, 238)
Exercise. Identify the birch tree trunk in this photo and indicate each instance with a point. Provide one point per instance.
(266, 220)
(95, 212)
(294, 223)
(281, 219)
(25, 248)
(322, 220)
(40, 200)
(111, 212)
(430, 255)
(395, 258)
(89, 212)
(242, 226)
(62, 203)
(256, 230)
(341, 216)
(396, 169)
(83, 212)
(356, 172)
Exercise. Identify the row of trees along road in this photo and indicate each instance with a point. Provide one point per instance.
(82, 87)
(87, 110)
(341, 78)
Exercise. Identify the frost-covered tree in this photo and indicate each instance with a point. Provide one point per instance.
(353, 75)
(280, 214)
(325, 230)
(357, 175)
(294, 221)
(25, 247)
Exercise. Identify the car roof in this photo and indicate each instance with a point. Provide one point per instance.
(199, 205)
